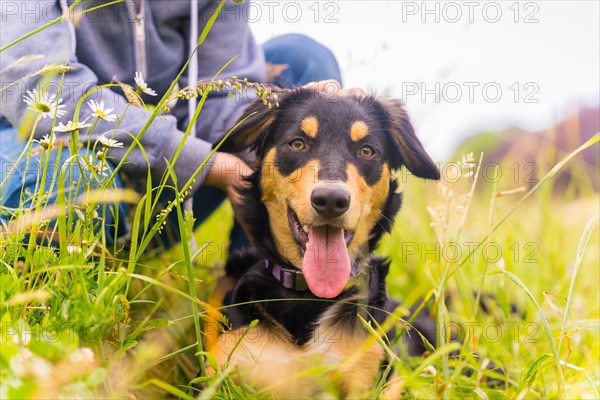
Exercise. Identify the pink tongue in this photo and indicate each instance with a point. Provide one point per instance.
(326, 263)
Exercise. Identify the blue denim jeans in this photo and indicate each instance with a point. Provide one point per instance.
(25, 175)
(307, 60)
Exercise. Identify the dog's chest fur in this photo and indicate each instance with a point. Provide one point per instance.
(261, 297)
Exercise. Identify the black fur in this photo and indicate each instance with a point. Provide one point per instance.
(299, 311)
(396, 145)
(393, 136)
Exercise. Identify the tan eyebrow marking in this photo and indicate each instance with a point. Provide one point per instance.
(310, 126)
(358, 130)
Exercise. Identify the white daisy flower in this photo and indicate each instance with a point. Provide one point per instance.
(108, 142)
(104, 170)
(72, 249)
(47, 142)
(98, 110)
(142, 85)
(70, 126)
(44, 103)
(100, 168)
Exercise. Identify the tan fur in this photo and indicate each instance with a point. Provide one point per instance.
(278, 192)
(295, 190)
(357, 369)
(213, 316)
(265, 355)
(310, 126)
(358, 130)
(370, 201)
(267, 358)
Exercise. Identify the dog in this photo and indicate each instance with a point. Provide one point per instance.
(321, 196)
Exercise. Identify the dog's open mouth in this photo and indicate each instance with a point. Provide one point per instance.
(325, 258)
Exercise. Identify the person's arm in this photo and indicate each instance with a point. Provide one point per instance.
(230, 37)
(56, 44)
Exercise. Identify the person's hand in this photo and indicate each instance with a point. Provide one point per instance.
(226, 173)
(334, 87)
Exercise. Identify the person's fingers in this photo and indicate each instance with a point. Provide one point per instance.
(234, 196)
(332, 86)
(355, 91)
(237, 203)
(327, 86)
(240, 184)
(243, 169)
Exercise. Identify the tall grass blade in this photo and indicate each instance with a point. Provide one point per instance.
(590, 142)
(209, 24)
(583, 243)
(545, 324)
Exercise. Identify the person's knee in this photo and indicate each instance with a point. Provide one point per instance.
(300, 46)
(311, 47)
(51, 174)
(307, 59)
(18, 182)
(304, 46)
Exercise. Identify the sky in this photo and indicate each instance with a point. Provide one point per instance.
(460, 66)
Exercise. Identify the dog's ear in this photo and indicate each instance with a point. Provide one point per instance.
(408, 150)
(251, 133)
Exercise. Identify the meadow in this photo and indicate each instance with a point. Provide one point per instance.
(81, 318)
(90, 325)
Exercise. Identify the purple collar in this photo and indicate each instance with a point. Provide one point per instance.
(293, 278)
(290, 278)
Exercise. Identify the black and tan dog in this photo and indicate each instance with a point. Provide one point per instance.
(321, 197)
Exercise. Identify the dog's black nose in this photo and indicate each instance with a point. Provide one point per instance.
(330, 202)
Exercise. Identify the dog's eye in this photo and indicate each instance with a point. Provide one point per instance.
(366, 152)
(298, 144)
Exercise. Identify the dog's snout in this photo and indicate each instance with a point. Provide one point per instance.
(330, 202)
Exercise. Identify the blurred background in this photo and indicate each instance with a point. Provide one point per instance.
(500, 75)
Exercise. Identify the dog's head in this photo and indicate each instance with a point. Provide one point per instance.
(324, 177)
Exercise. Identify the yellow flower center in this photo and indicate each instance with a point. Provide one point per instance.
(43, 107)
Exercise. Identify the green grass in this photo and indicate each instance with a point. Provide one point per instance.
(99, 330)
(80, 318)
